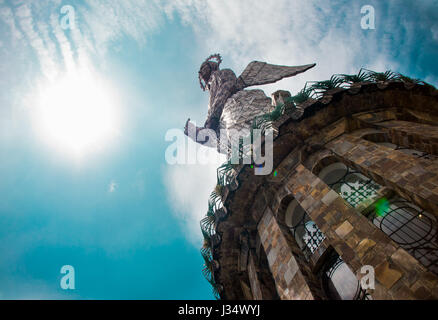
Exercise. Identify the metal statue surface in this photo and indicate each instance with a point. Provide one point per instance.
(231, 107)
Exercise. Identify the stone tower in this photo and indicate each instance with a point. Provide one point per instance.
(354, 192)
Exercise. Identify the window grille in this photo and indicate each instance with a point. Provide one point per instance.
(412, 228)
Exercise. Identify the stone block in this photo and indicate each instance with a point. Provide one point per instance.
(344, 229)
(404, 260)
(364, 246)
(386, 275)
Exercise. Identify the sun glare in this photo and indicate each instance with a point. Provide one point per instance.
(77, 113)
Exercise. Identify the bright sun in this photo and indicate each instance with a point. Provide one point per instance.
(77, 113)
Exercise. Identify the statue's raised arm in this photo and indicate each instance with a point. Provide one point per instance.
(231, 107)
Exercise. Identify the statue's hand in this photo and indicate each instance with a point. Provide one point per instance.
(186, 128)
(192, 131)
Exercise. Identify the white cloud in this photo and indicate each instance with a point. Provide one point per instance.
(188, 188)
(7, 16)
(108, 20)
(35, 289)
(112, 186)
(98, 24)
(35, 40)
(289, 33)
(282, 31)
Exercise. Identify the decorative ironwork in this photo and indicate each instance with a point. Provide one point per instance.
(208, 270)
(208, 223)
(413, 229)
(311, 235)
(354, 187)
(330, 268)
(410, 227)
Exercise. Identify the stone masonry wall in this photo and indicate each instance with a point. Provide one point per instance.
(414, 179)
(359, 243)
(290, 282)
(253, 279)
(419, 136)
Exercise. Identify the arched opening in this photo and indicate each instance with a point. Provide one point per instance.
(305, 231)
(351, 185)
(339, 282)
(303, 239)
(414, 229)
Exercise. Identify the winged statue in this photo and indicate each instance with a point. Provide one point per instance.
(230, 105)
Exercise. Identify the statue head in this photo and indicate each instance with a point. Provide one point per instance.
(207, 68)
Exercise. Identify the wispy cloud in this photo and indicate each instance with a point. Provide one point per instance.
(36, 39)
(98, 24)
(306, 31)
(7, 16)
(109, 20)
(282, 31)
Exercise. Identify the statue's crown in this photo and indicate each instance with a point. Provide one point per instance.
(218, 59)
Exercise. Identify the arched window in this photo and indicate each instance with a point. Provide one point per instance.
(351, 185)
(415, 230)
(305, 231)
(339, 281)
(412, 228)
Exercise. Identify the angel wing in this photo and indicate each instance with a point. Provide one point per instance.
(259, 73)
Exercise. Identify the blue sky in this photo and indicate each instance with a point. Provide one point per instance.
(125, 219)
